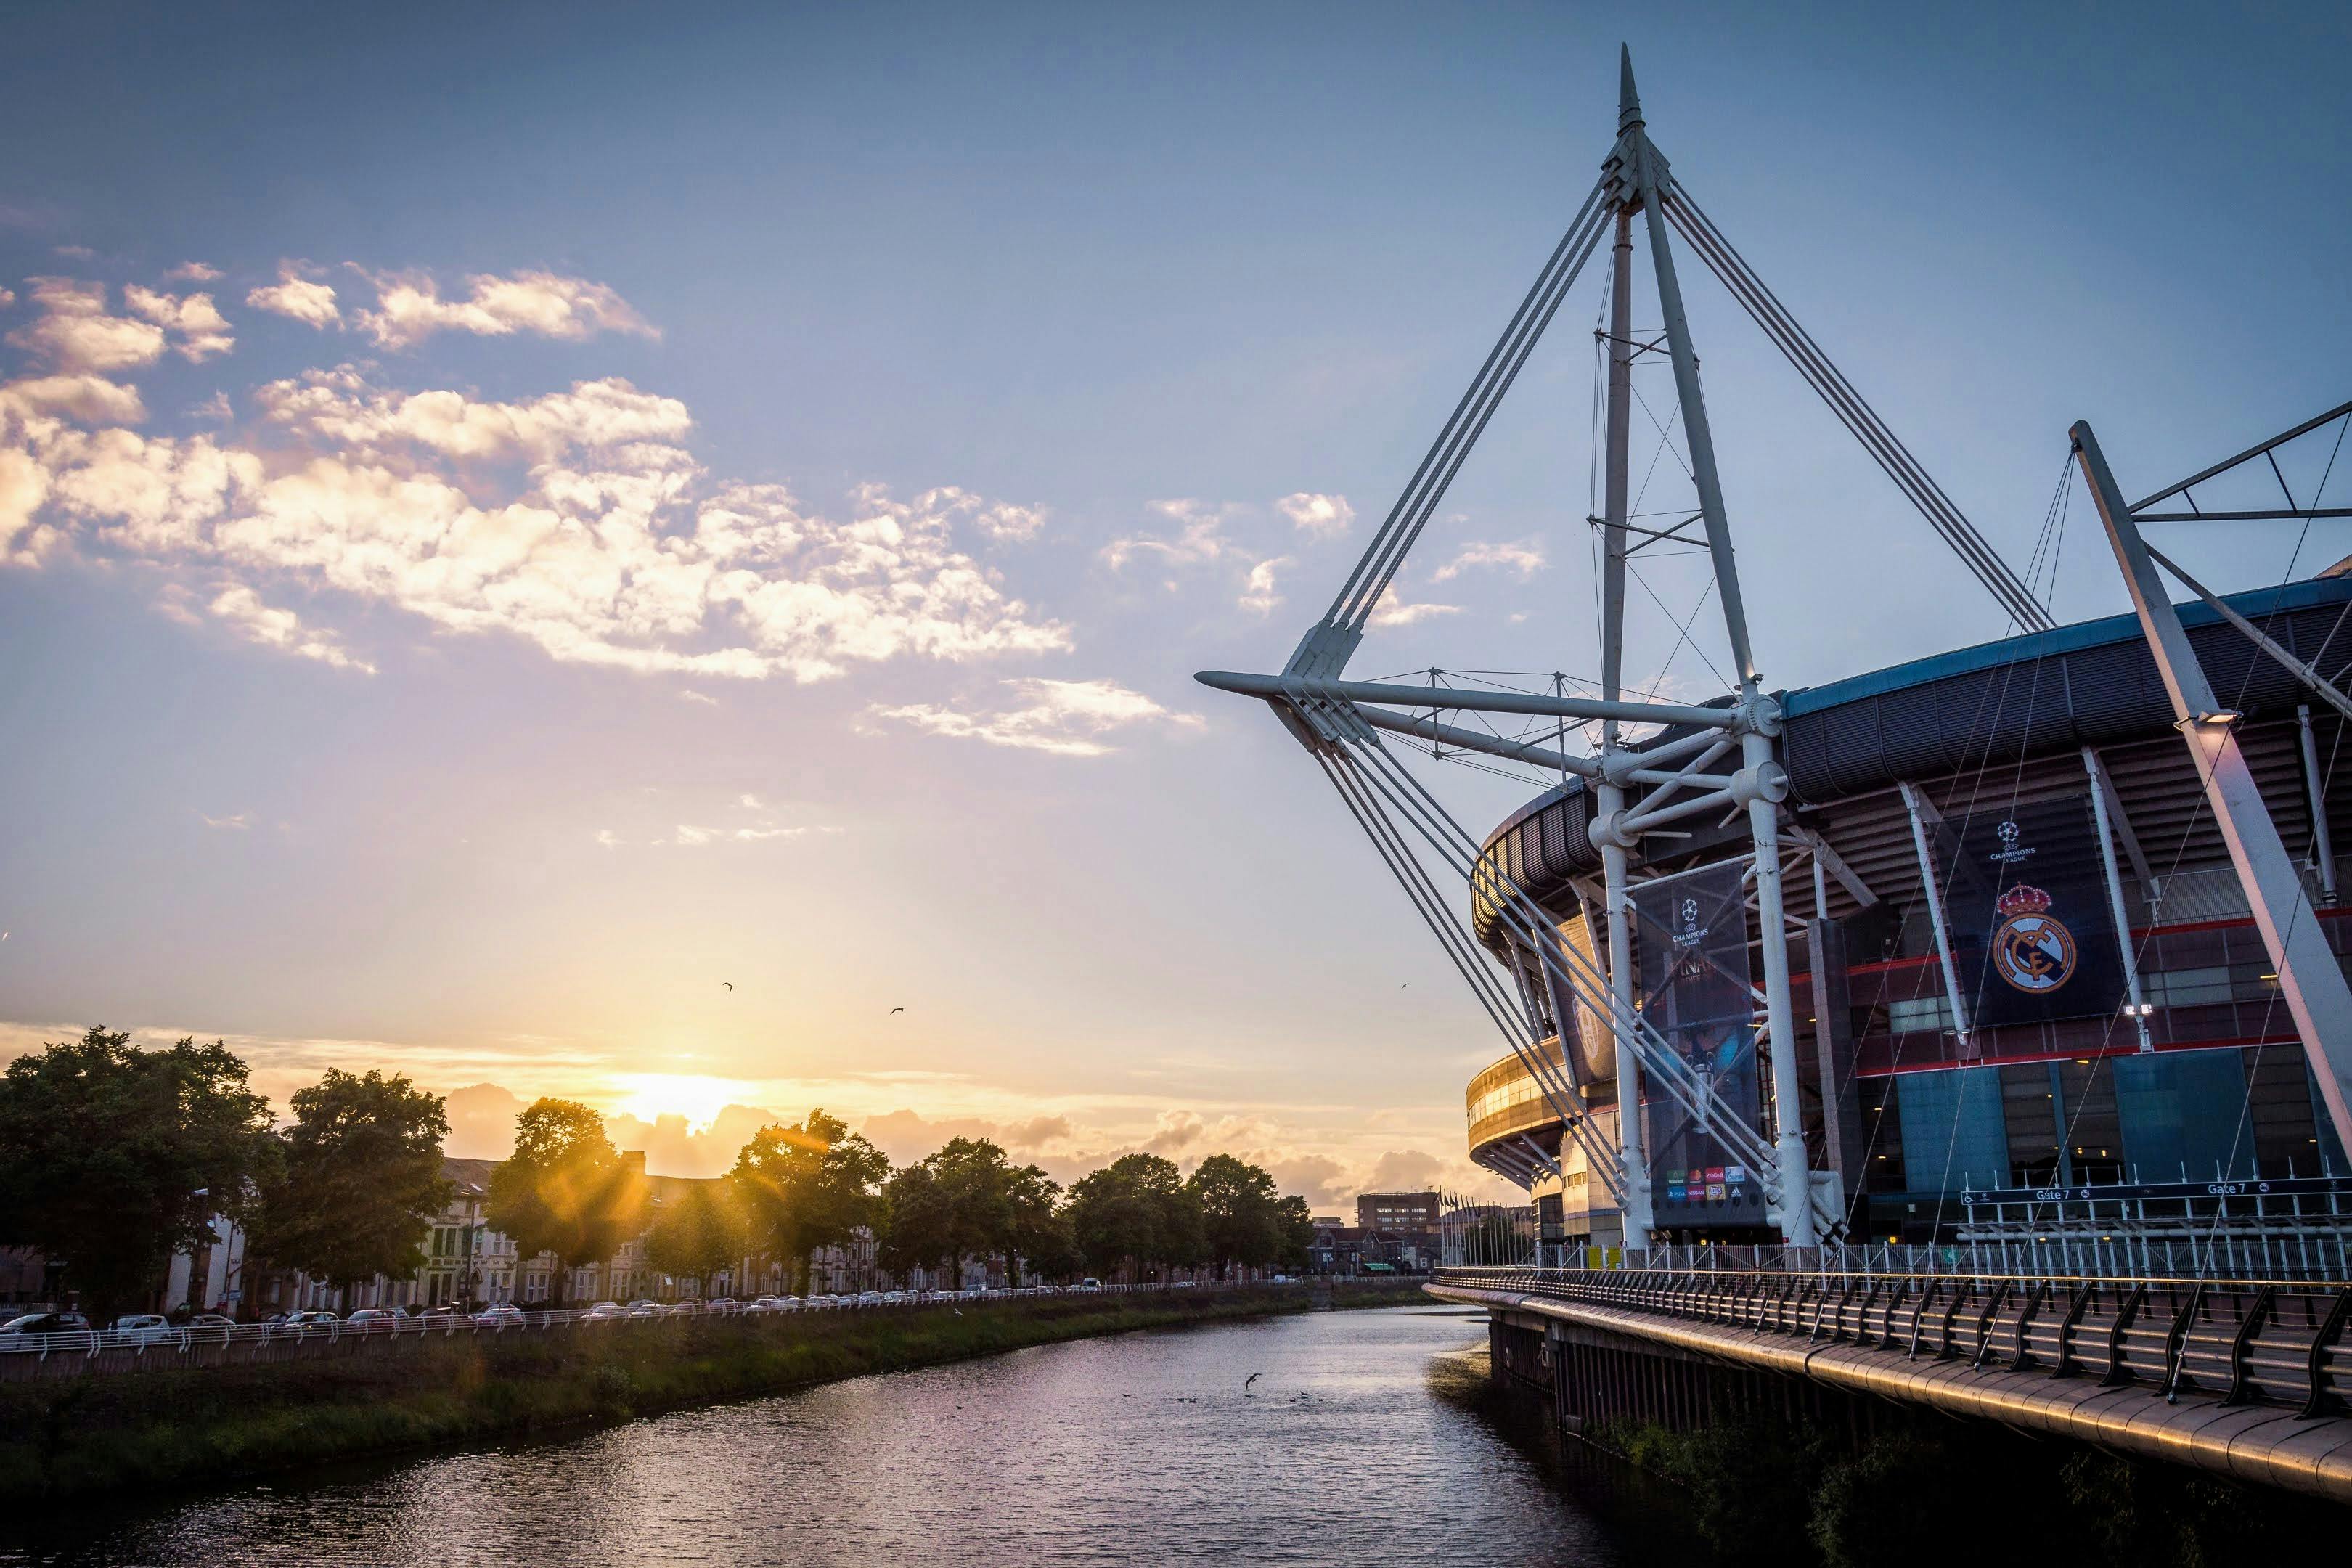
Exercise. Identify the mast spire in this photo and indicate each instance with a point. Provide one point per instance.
(1629, 102)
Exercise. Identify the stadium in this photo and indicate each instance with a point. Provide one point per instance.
(2159, 1067)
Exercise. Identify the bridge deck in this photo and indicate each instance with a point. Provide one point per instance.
(2247, 1381)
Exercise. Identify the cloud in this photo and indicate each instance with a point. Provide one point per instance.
(1392, 611)
(8, 298)
(690, 836)
(236, 824)
(1525, 557)
(1405, 1171)
(409, 308)
(75, 334)
(1006, 521)
(192, 272)
(1318, 515)
(674, 1146)
(697, 697)
(577, 521)
(1064, 716)
(1257, 594)
(1319, 1178)
(242, 608)
(297, 296)
(192, 319)
(607, 839)
(215, 408)
(481, 1121)
(1198, 538)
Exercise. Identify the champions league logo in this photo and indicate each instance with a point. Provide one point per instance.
(2032, 951)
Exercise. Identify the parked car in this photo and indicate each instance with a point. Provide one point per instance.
(141, 1329)
(605, 1311)
(209, 1327)
(644, 1307)
(47, 1324)
(500, 1315)
(378, 1319)
(723, 1306)
(312, 1319)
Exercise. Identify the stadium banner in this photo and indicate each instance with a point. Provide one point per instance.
(2034, 939)
(1691, 935)
(1587, 1045)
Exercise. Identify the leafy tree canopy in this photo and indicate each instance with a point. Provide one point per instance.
(360, 1182)
(808, 1186)
(1240, 1214)
(565, 1189)
(1135, 1213)
(699, 1231)
(112, 1159)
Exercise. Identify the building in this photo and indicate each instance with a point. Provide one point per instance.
(1942, 809)
(1415, 1212)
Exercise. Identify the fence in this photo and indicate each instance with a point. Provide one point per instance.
(2249, 1341)
(165, 1347)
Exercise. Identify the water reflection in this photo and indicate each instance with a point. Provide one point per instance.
(1145, 1447)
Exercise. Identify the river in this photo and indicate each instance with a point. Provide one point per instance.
(1142, 1447)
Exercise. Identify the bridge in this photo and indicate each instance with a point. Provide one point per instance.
(2247, 1379)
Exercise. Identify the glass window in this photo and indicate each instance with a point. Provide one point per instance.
(1953, 1135)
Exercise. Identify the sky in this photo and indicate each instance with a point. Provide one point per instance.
(516, 520)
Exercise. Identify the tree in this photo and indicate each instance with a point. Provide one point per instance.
(917, 1221)
(1135, 1214)
(564, 1190)
(1241, 1219)
(113, 1159)
(1295, 1227)
(697, 1231)
(361, 1180)
(1041, 1241)
(807, 1187)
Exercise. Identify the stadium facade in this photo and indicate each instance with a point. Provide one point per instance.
(2028, 970)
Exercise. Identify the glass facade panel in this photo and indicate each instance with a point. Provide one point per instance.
(1953, 1132)
(2183, 1115)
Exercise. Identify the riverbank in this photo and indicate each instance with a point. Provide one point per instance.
(93, 1435)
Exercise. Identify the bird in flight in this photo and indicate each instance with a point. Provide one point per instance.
(1406, 986)
(729, 984)
(1250, 1379)
(897, 1009)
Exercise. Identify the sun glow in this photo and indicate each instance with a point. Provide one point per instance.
(653, 1095)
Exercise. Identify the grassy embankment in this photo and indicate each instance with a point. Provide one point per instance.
(93, 1434)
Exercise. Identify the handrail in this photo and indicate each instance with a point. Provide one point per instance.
(184, 1337)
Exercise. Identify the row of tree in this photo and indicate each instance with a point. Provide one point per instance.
(113, 1159)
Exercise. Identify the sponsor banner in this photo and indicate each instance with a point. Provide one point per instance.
(2033, 937)
(1691, 940)
(1587, 1045)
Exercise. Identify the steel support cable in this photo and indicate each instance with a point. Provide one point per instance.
(1575, 225)
(1592, 990)
(1650, 1049)
(1576, 1117)
(1408, 872)
(1811, 363)
(1412, 513)
(1576, 241)
(1798, 345)
(1941, 514)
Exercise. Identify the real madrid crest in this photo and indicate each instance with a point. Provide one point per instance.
(2031, 951)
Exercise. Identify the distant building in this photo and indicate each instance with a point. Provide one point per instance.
(1415, 1211)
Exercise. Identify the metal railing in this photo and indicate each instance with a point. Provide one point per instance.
(167, 1343)
(2248, 1341)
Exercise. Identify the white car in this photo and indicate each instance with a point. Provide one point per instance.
(311, 1320)
(141, 1328)
(503, 1315)
(646, 1307)
(374, 1319)
(605, 1313)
